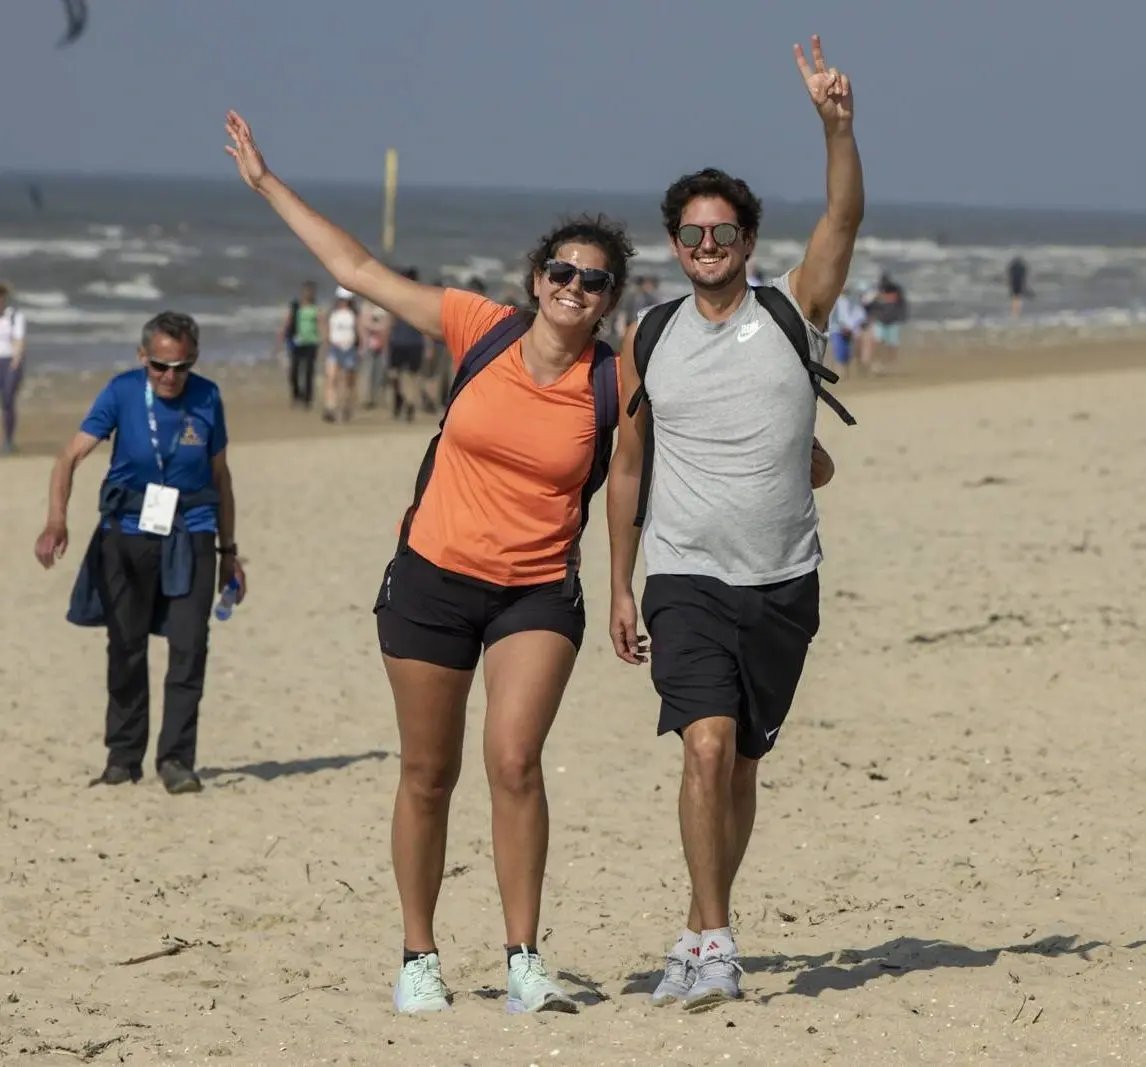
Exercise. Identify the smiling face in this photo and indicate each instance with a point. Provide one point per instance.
(168, 361)
(568, 306)
(711, 266)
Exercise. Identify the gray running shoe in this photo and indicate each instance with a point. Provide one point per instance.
(677, 981)
(717, 976)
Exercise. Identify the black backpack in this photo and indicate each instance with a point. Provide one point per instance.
(653, 324)
(606, 406)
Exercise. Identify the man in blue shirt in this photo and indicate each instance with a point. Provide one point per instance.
(150, 566)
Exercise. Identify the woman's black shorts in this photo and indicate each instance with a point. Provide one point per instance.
(436, 616)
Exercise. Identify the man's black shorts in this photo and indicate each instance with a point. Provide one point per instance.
(436, 616)
(736, 651)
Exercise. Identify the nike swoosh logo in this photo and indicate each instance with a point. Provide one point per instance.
(769, 734)
(747, 330)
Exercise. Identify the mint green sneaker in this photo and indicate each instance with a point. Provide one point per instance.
(531, 989)
(420, 987)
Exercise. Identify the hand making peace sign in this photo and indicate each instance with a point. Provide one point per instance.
(830, 90)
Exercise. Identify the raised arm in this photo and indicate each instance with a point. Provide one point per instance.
(621, 499)
(819, 280)
(342, 255)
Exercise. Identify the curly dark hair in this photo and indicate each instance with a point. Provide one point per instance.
(173, 324)
(711, 182)
(597, 230)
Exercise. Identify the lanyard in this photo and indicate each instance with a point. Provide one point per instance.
(153, 426)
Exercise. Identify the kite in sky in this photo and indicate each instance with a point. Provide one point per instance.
(77, 12)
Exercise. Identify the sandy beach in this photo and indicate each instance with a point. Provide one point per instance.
(948, 860)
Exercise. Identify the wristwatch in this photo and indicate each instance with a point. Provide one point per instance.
(228, 550)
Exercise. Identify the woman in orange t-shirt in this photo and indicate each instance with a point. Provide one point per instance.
(484, 567)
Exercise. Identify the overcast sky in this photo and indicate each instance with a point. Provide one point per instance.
(1010, 102)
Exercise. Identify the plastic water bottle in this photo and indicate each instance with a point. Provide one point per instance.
(226, 602)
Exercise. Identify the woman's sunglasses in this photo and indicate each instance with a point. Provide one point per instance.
(723, 233)
(593, 279)
(160, 367)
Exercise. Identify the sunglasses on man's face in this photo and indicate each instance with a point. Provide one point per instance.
(723, 233)
(160, 367)
(593, 279)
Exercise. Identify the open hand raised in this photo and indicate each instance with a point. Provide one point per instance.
(830, 90)
(244, 151)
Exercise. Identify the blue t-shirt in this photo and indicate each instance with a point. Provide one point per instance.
(192, 432)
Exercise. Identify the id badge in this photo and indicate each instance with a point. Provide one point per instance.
(159, 504)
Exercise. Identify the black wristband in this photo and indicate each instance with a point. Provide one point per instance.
(228, 550)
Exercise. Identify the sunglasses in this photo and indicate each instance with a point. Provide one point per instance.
(160, 367)
(593, 279)
(723, 233)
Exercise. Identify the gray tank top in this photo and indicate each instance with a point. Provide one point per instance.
(734, 414)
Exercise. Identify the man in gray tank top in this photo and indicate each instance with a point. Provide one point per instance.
(731, 598)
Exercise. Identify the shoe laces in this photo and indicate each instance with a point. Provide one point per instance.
(676, 968)
(533, 967)
(424, 976)
(709, 963)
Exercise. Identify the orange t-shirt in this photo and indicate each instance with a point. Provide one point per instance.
(504, 501)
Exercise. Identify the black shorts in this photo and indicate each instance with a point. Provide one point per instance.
(406, 357)
(436, 616)
(735, 651)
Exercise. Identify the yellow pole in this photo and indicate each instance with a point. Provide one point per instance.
(391, 196)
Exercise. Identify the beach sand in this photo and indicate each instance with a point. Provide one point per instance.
(948, 859)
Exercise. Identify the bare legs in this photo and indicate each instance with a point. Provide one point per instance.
(431, 705)
(525, 675)
(717, 813)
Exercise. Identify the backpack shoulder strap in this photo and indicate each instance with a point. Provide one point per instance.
(787, 318)
(792, 323)
(483, 352)
(649, 330)
(606, 410)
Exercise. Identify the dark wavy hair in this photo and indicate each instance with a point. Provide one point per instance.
(596, 230)
(711, 182)
(173, 324)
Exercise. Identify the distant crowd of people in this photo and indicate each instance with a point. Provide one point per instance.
(398, 362)
(864, 328)
(370, 358)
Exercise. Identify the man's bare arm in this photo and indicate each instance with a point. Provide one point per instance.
(818, 281)
(621, 500)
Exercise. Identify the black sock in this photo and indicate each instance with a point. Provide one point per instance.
(409, 957)
(514, 950)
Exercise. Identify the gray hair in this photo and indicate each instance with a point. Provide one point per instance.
(172, 324)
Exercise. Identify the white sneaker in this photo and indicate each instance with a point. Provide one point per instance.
(677, 981)
(717, 975)
(420, 987)
(531, 989)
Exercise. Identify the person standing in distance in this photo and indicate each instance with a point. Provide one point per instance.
(731, 600)
(341, 372)
(150, 566)
(12, 340)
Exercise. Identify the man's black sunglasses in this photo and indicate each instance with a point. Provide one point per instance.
(593, 279)
(723, 233)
